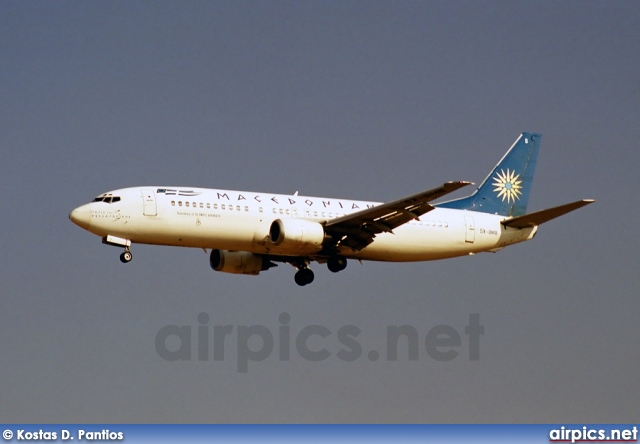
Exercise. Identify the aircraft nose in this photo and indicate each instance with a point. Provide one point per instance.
(81, 216)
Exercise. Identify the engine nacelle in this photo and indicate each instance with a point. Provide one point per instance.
(300, 236)
(238, 262)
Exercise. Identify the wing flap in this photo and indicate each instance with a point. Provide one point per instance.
(357, 230)
(540, 217)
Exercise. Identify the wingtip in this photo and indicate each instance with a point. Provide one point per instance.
(460, 182)
(456, 185)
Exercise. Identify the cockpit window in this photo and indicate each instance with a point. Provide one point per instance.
(107, 198)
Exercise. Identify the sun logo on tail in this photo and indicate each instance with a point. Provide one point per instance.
(507, 185)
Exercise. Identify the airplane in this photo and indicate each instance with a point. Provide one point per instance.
(250, 232)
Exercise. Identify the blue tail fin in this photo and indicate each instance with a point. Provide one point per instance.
(506, 189)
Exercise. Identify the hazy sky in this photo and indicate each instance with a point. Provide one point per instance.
(363, 100)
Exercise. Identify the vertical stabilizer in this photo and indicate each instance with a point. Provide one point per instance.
(505, 190)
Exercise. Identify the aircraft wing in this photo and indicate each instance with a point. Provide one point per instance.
(357, 230)
(539, 217)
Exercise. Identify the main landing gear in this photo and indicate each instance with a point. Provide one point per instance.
(337, 263)
(126, 257)
(304, 276)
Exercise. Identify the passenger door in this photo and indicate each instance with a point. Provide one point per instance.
(149, 205)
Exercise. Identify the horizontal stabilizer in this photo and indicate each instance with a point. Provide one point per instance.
(540, 217)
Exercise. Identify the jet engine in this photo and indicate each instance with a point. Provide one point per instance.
(239, 262)
(299, 236)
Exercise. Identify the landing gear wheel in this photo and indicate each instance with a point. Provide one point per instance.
(337, 263)
(126, 257)
(303, 277)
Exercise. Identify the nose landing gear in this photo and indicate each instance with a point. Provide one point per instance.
(126, 256)
(114, 241)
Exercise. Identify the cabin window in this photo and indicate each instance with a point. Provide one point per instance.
(173, 203)
(260, 209)
(246, 208)
(238, 207)
(215, 206)
(186, 204)
(222, 207)
(201, 205)
(208, 205)
(179, 203)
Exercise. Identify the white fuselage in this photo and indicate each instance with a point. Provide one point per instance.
(238, 220)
